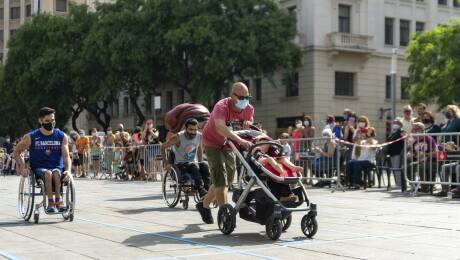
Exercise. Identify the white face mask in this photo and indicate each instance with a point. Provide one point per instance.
(298, 125)
(395, 127)
(361, 125)
(306, 123)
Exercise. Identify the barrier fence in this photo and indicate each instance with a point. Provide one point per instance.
(119, 161)
(432, 159)
(427, 160)
(320, 158)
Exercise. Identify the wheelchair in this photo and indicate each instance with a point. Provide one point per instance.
(31, 187)
(176, 190)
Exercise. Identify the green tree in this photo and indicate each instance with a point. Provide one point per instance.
(37, 71)
(435, 65)
(205, 44)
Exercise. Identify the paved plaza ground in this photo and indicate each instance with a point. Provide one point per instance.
(129, 220)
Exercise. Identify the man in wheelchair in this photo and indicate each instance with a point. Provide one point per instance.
(49, 156)
(188, 155)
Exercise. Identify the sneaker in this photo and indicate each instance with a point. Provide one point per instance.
(50, 209)
(205, 213)
(60, 207)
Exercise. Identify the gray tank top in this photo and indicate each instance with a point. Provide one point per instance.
(187, 151)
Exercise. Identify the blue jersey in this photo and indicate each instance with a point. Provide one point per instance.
(45, 150)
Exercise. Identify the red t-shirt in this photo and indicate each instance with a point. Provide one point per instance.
(223, 112)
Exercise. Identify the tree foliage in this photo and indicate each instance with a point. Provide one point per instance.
(85, 60)
(435, 65)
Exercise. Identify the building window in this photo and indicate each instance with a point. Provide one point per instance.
(125, 106)
(1, 35)
(344, 84)
(116, 109)
(292, 84)
(404, 32)
(148, 103)
(389, 30)
(442, 2)
(28, 10)
(259, 89)
(1, 13)
(169, 100)
(405, 87)
(388, 87)
(419, 26)
(180, 96)
(61, 5)
(344, 18)
(15, 13)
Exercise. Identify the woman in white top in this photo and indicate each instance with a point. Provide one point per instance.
(364, 162)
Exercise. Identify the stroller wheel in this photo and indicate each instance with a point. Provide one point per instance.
(226, 219)
(309, 225)
(286, 223)
(274, 228)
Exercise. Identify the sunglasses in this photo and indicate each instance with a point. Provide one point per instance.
(242, 97)
(407, 111)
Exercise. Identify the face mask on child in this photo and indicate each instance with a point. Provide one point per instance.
(361, 124)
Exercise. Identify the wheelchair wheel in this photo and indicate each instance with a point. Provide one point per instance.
(226, 219)
(286, 223)
(309, 225)
(26, 196)
(70, 201)
(171, 188)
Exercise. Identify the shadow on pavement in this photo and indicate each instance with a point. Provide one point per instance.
(209, 240)
(143, 210)
(152, 197)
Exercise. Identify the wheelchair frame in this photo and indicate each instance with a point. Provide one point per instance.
(27, 194)
(182, 192)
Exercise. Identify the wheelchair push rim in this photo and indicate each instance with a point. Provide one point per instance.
(26, 196)
(70, 201)
(171, 188)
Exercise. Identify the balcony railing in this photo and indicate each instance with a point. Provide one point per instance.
(351, 42)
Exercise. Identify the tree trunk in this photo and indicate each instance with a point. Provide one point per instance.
(97, 111)
(140, 115)
(75, 115)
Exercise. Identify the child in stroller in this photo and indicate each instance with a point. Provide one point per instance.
(128, 165)
(278, 164)
(261, 187)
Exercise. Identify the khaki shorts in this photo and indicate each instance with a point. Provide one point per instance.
(222, 166)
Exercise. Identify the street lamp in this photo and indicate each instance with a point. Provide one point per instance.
(393, 73)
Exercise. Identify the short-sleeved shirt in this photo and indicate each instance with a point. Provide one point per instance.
(82, 144)
(222, 111)
(425, 144)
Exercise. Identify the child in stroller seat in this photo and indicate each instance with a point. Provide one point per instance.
(277, 163)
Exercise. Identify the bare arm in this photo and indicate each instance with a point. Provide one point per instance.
(174, 140)
(23, 145)
(200, 153)
(223, 130)
(66, 155)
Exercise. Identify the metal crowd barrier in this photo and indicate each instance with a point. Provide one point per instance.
(147, 156)
(323, 169)
(432, 159)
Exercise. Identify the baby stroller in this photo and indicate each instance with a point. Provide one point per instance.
(254, 200)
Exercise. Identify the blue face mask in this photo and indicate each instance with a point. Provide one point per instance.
(242, 104)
